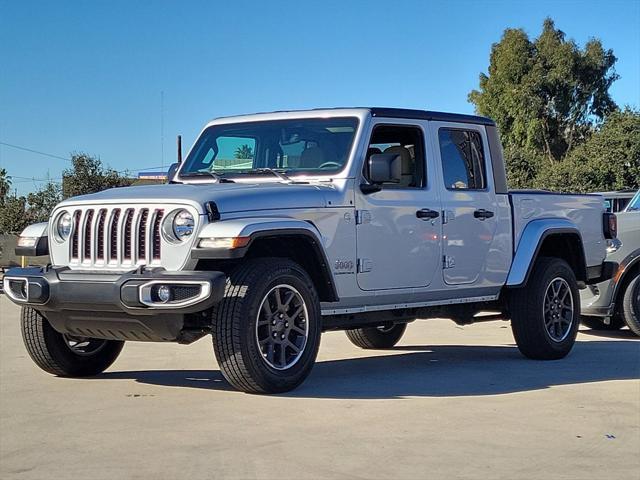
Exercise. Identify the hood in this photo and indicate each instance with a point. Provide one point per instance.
(229, 197)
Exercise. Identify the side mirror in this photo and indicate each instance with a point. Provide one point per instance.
(385, 168)
(173, 168)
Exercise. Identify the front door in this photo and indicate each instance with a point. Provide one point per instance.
(468, 202)
(398, 231)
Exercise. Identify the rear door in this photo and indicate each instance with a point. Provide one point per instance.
(469, 220)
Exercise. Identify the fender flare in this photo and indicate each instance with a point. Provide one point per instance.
(39, 231)
(626, 265)
(257, 228)
(530, 243)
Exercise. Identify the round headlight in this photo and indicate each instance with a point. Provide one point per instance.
(63, 226)
(183, 224)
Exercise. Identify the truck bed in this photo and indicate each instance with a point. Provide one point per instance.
(584, 210)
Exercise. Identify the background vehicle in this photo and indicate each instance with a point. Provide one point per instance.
(612, 304)
(617, 201)
(279, 226)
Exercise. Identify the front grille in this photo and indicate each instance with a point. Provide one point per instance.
(116, 237)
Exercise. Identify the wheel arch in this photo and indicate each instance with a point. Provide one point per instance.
(557, 238)
(625, 273)
(298, 240)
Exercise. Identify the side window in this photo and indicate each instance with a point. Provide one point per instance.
(405, 141)
(462, 159)
(230, 153)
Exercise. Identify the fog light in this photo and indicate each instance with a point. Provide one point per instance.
(164, 293)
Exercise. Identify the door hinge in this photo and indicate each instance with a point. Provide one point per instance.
(365, 265)
(448, 262)
(363, 216)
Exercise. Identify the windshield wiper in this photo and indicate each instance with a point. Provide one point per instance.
(215, 176)
(278, 174)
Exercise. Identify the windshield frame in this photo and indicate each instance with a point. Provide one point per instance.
(358, 119)
(634, 203)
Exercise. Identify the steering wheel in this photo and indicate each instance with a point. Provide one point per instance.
(330, 164)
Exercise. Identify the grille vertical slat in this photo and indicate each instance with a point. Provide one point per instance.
(113, 235)
(87, 230)
(116, 237)
(156, 235)
(127, 235)
(100, 234)
(142, 234)
(75, 239)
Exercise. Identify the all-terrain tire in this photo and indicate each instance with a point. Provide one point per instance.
(235, 333)
(527, 307)
(631, 305)
(597, 323)
(51, 350)
(377, 337)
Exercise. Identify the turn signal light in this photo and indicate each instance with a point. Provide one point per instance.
(610, 225)
(228, 242)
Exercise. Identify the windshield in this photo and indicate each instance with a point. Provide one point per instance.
(315, 146)
(634, 204)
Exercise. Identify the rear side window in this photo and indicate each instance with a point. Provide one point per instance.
(462, 158)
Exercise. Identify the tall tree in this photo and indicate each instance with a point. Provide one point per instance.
(88, 175)
(5, 185)
(244, 152)
(546, 95)
(608, 160)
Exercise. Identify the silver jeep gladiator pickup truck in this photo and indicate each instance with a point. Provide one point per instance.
(279, 226)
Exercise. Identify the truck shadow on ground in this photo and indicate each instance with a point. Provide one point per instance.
(434, 371)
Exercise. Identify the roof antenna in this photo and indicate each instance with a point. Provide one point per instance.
(179, 148)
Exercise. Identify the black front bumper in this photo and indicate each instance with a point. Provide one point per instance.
(118, 306)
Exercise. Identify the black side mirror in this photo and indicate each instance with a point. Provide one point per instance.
(385, 168)
(173, 168)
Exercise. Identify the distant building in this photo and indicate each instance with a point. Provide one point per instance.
(152, 176)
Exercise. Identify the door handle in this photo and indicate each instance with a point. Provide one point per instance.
(482, 214)
(427, 214)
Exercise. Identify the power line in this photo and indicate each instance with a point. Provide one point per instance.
(35, 151)
(26, 149)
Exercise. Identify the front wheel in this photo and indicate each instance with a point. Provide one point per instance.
(381, 337)
(545, 314)
(631, 305)
(267, 328)
(65, 355)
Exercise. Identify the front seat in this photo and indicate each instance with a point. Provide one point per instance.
(370, 151)
(312, 157)
(406, 178)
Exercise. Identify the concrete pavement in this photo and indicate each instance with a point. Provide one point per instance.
(448, 402)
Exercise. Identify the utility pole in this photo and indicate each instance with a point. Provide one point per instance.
(162, 128)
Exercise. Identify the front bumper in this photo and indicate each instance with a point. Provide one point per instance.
(121, 306)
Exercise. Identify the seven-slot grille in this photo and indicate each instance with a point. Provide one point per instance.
(116, 236)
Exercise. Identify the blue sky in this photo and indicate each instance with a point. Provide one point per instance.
(88, 75)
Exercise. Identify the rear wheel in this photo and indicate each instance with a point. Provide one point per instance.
(545, 314)
(597, 323)
(267, 328)
(631, 305)
(65, 355)
(381, 337)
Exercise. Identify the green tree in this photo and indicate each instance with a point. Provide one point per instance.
(13, 215)
(608, 160)
(41, 203)
(5, 185)
(88, 175)
(547, 96)
(244, 152)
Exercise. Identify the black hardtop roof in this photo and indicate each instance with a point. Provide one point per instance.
(429, 115)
